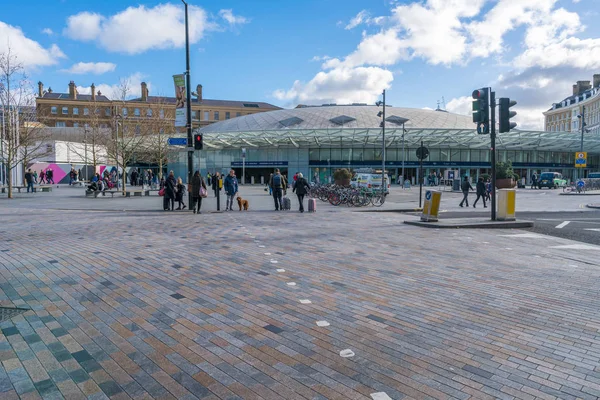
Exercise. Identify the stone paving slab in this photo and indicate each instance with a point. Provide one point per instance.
(182, 306)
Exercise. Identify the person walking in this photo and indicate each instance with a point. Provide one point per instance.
(231, 189)
(170, 185)
(29, 181)
(534, 180)
(42, 176)
(215, 183)
(277, 184)
(269, 185)
(179, 192)
(465, 186)
(50, 176)
(35, 176)
(301, 187)
(208, 179)
(481, 192)
(72, 176)
(197, 183)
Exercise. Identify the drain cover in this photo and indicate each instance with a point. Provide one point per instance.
(7, 313)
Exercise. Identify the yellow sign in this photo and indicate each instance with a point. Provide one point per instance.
(431, 207)
(507, 201)
(581, 159)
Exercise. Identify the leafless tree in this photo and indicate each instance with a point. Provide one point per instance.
(22, 137)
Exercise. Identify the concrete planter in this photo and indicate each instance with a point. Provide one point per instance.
(505, 183)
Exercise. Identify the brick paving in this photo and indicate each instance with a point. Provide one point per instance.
(182, 306)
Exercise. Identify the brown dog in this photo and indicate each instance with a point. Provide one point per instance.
(242, 203)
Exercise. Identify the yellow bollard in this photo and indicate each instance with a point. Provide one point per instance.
(431, 206)
(506, 204)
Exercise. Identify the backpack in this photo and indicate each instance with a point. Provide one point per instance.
(276, 181)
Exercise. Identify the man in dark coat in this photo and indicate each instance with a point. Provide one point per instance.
(170, 185)
(465, 187)
(480, 192)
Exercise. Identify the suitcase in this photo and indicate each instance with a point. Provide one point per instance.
(312, 205)
(286, 204)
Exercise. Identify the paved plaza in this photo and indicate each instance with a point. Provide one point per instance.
(265, 305)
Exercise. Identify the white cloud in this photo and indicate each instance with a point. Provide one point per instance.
(460, 105)
(320, 58)
(28, 52)
(47, 31)
(357, 20)
(111, 90)
(98, 68)
(139, 29)
(227, 15)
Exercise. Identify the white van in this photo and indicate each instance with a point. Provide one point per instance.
(370, 181)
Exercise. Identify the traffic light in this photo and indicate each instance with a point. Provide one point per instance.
(481, 107)
(197, 142)
(506, 115)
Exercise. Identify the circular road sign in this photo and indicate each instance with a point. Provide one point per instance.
(580, 155)
(422, 153)
(580, 183)
(428, 195)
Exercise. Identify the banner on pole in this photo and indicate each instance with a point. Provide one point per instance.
(180, 96)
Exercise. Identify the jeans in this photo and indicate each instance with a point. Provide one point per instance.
(229, 201)
(465, 199)
(277, 195)
(301, 201)
(482, 196)
(30, 185)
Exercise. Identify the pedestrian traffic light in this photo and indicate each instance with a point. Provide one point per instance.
(481, 107)
(197, 142)
(505, 115)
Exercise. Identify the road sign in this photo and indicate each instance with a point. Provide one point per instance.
(422, 153)
(177, 141)
(580, 183)
(581, 159)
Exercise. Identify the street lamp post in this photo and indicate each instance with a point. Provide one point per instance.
(86, 158)
(582, 124)
(403, 156)
(190, 160)
(382, 114)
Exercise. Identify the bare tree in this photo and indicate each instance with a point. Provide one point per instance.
(23, 138)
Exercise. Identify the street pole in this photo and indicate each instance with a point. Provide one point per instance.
(582, 131)
(402, 180)
(86, 159)
(493, 149)
(243, 166)
(190, 160)
(421, 177)
(383, 149)
(2, 151)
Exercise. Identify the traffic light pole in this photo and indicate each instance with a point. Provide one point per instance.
(493, 149)
(190, 141)
(421, 177)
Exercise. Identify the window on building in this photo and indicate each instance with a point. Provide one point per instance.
(238, 114)
(86, 125)
(107, 112)
(227, 115)
(216, 116)
(149, 112)
(161, 113)
(206, 115)
(75, 124)
(86, 111)
(124, 112)
(97, 111)
(75, 111)
(136, 112)
(54, 110)
(195, 115)
(60, 124)
(65, 110)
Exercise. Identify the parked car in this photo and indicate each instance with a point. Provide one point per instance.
(551, 180)
(370, 181)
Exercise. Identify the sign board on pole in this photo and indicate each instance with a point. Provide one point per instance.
(177, 141)
(180, 96)
(581, 159)
(431, 207)
(243, 152)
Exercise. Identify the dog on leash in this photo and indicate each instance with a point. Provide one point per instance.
(242, 203)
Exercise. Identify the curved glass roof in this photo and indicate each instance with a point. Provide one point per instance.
(311, 127)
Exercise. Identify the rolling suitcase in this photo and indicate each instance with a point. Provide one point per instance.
(286, 204)
(312, 205)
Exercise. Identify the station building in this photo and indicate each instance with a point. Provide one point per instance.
(318, 140)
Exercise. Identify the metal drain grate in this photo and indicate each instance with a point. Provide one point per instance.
(7, 313)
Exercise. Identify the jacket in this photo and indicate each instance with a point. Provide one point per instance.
(480, 188)
(231, 185)
(466, 186)
(197, 182)
(301, 186)
(283, 182)
(29, 177)
(170, 185)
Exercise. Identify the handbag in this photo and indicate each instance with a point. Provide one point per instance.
(203, 192)
(161, 192)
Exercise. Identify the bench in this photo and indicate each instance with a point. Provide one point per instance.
(19, 188)
(95, 193)
(147, 191)
(45, 188)
(135, 193)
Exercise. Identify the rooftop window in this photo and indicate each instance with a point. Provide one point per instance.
(252, 105)
(342, 119)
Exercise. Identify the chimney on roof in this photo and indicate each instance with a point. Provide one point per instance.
(72, 91)
(582, 86)
(597, 80)
(144, 91)
(199, 93)
(93, 92)
(575, 90)
(49, 89)
(40, 89)
(99, 93)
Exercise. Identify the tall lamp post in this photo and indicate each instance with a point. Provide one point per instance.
(190, 159)
(582, 124)
(382, 114)
(86, 159)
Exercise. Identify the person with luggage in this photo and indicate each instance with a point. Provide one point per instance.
(277, 184)
(179, 192)
(231, 189)
(197, 183)
(465, 186)
(301, 187)
(481, 192)
(170, 185)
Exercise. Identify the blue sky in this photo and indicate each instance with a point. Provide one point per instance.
(316, 51)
